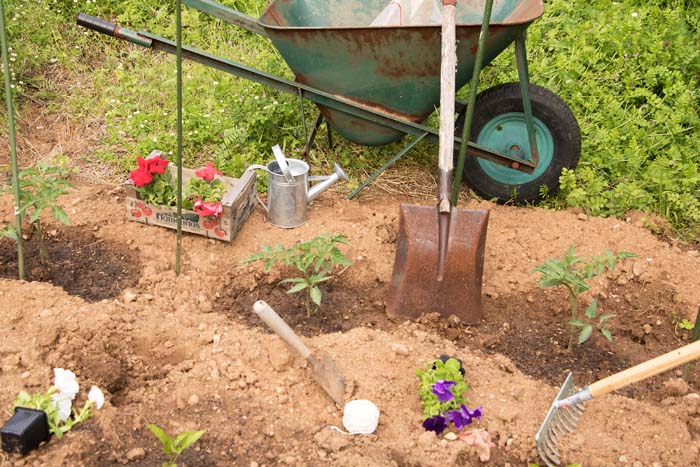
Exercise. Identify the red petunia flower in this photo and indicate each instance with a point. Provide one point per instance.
(156, 165)
(208, 172)
(141, 176)
(207, 209)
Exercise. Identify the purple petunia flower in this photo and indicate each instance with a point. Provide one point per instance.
(463, 416)
(441, 389)
(436, 423)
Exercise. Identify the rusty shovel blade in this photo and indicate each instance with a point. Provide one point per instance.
(415, 284)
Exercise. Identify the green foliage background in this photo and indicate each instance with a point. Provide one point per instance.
(628, 69)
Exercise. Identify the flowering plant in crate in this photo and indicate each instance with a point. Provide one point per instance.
(154, 184)
(214, 205)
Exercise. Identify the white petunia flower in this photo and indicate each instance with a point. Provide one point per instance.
(66, 383)
(63, 405)
(96, 397)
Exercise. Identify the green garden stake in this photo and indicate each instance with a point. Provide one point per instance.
(13, 145)
(466, 129)
(693, 337)
(178, 21)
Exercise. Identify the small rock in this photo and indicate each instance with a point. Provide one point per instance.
(530, 299)
(622, 459)
(251, 378)
(129, 296)
(450, 436)
(254, 464)
(148, 297)
(637, 464)
(399, 349)
(193, 400)
(582, 217)
(647, 328)
(25, 375)
(676, 387)
(427, 438)
(136, 454)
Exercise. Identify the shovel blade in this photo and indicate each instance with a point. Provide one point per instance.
(327, 376)
(415, 288)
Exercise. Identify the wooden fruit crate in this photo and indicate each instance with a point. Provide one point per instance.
(237, 204)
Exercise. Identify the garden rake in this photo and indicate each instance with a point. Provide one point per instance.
(564, 414)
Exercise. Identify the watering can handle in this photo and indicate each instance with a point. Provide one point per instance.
(253, 167)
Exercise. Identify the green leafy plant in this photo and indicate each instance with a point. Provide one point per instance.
(685, 324)
(40, 187)
(315, 259)
(441, 390)
(572, 272)
(433, 372)
(57, 402)
(173, 447)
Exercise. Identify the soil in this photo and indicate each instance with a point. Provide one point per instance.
(185, 352)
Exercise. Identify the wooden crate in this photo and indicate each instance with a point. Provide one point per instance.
(237, 204)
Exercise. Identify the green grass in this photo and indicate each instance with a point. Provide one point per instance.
(629, 70)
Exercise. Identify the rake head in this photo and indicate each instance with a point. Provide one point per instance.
(559, 422)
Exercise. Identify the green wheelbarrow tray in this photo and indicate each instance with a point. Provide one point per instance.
(395, 69)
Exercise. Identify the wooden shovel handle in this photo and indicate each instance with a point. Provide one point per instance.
(644, 370)
(282, 329)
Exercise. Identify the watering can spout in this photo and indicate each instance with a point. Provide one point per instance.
(324, 183)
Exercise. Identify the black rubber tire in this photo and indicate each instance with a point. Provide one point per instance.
(548, 108)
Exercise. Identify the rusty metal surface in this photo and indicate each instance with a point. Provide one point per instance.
(329, 45)
(415, 288)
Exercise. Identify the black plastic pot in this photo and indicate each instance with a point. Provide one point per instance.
(444, 358)
(25, 430)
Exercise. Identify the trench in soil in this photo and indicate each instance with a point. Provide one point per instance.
(82, 264)
(530, 329)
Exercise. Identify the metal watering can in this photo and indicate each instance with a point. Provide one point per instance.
(289, 190)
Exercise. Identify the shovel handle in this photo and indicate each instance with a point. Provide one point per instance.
(644, 370)
(282, 329)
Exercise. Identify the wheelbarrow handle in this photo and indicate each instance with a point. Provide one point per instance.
(96, 24)
(111, 29)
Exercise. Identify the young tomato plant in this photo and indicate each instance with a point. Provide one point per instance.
(174, 447)
(40, 188)
(314, 259)
(572, 272)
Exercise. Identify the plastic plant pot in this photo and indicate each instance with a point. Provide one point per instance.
(25, 430)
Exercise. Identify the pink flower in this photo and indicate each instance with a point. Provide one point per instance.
(481, 440)
(208, 172)
(207, 209)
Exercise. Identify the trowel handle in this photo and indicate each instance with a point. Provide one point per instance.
(644, 370)
(277, 324)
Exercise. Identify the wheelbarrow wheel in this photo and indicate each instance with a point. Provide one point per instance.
(499, 124)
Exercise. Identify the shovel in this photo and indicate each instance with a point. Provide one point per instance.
(325, 372)
(440, 251)
(567, 407)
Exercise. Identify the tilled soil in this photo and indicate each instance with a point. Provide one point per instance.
(185, 352)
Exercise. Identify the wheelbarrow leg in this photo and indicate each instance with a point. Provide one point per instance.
(521, 62)
(389, 163)
(312, 136)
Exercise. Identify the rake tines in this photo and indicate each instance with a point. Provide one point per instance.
(558, 422)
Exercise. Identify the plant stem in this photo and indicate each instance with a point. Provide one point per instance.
(43, 256)
(574, 313)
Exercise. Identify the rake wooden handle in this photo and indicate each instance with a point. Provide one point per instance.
(644, 370)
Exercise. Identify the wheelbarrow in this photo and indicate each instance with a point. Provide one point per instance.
(375, 84)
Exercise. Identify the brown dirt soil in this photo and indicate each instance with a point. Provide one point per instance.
(186, 352)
